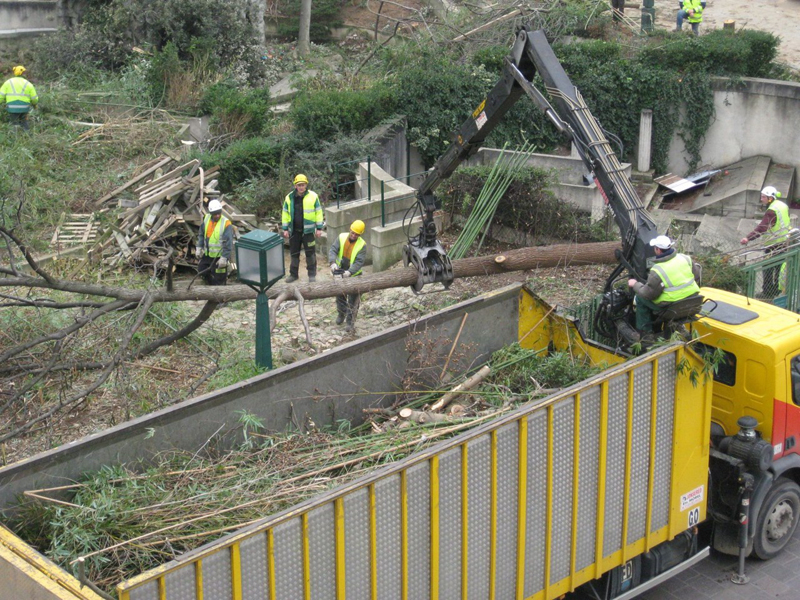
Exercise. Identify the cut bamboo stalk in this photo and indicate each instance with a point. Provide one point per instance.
(470, 383)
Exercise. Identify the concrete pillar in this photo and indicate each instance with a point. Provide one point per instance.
(573, 151)
(645, 140)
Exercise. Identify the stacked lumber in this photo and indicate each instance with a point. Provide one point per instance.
(161, 217)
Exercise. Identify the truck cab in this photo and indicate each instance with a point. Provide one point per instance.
(759, 377)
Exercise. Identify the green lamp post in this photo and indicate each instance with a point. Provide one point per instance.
(259, 258)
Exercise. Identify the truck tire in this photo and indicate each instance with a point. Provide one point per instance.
(777, 519)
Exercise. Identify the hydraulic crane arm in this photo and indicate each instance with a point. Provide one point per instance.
(532, 54)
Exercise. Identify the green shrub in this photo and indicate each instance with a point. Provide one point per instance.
(745, 53)
(245, 159)
(237, 112)
(324, 115)
(527, 205)
(324, 17)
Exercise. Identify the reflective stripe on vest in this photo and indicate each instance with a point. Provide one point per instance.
(357, 246)
(779, 232)
(676, 274)
(214, 241)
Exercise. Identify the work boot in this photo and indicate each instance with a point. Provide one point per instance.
(312, 278)
(291, 279)
(350, 328)
(339, 319)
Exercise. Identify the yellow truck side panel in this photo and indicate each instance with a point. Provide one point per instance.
(530, 505)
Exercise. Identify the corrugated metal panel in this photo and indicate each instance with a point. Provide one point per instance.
(255, 583)
(288, 562)
(217, 575)
(640, 453)
(357, 544)
(535, 523)
(507, 483)
(587, 485)
(322, 553)
(387, 496)
(450, 566)
(615, 463)
(479, 494)
(663, 455)
(181, 584)
(419, 530)
(563, 471)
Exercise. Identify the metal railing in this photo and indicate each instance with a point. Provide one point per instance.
(776, 278)
(384, 201)
(340, 185)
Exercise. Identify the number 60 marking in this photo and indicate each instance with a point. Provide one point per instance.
(694, 517)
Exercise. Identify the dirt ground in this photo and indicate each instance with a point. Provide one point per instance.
(781, 17)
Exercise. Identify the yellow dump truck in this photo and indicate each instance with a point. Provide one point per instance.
(598, 489)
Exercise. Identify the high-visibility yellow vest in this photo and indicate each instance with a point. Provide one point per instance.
(697, 7)
(676, 274)
(779, 232)
(357, 246)
(214, 240)
(19, 94)
(782, 279)
(312, 212)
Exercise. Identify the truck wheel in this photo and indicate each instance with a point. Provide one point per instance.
(777, 519)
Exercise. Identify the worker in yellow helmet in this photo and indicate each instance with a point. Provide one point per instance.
(19, 96)
(302, 222)
(347, 255)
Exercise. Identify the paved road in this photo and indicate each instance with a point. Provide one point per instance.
(710, 578)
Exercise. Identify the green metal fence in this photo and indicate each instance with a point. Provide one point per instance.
(385, 202)
(340, 185)
(776, 278)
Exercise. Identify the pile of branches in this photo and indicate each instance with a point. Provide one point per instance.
(123, 521)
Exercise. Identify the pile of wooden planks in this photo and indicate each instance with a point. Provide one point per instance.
(162, 215)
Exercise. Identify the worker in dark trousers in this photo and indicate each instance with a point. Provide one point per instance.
(774, 228)
(214, 246)
(302, 222)
(347, 255)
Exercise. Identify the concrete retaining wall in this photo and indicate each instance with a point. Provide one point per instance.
(568, 172)
(325, 388)
(755, 116)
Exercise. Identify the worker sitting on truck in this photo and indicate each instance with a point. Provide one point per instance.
(214, 245)
(673, 277)
(347, 254)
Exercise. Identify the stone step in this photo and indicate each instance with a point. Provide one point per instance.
(782, 178)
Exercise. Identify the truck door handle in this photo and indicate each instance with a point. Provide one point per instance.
(789, 443)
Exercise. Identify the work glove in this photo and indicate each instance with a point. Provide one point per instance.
(333, 267)
(346, 274)
(222, 263)
(198, 252)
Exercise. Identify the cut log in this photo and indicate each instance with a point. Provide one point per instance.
(161, 163)
(469, 384)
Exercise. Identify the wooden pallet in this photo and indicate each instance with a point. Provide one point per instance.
(74, 230)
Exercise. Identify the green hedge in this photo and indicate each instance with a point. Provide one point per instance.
(246, 159)
(324, 115)
(324, 16)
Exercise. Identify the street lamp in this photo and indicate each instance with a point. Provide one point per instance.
(259, 258)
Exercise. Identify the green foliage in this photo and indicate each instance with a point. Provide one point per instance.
(110, 29)
(326, 114)
(745, 53)
(528, 205)
(245, 159)
(529, 371)
(237, 112)
(324, 17)
(719, 273)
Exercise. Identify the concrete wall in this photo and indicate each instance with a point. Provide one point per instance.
(568, 172)
(397, 198)
(755, 116)
(313, 388)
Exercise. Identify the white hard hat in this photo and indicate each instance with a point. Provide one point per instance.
(214, 206)
(770, 191)
(662, 242)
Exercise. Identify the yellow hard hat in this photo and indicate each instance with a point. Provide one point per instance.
(358, 227)
(301, 179)
(18, 70)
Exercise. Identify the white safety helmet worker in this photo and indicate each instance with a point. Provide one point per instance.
(771, 192)
(662, 242)
(215, 206)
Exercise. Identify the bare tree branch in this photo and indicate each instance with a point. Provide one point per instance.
(197, 322)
